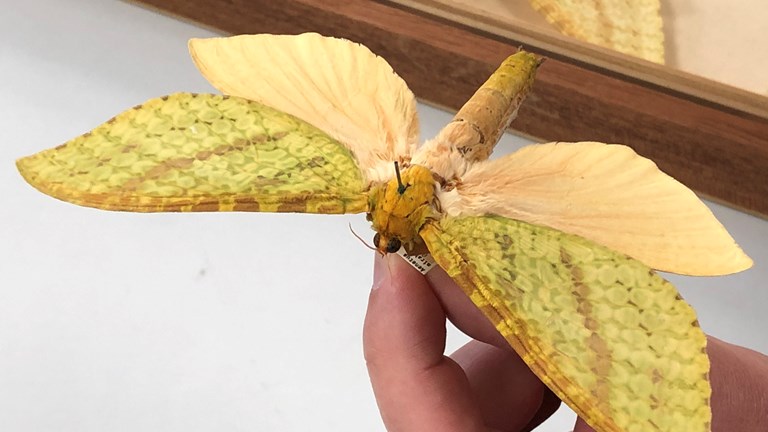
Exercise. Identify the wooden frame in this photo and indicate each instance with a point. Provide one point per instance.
(710, 137)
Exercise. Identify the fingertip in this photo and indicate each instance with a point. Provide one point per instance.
(404, 321)
(392, 271)
(380, 272)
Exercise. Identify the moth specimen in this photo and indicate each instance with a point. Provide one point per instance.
(554, 243)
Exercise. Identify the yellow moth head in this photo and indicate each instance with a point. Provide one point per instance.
(400, 207)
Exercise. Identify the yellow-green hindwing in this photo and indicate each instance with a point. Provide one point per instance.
(612, 338)
(202, 152)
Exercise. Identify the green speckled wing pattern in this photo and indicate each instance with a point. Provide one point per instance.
(202, 152)
(609, 336)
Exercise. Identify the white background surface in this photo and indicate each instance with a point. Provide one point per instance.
(196, 322)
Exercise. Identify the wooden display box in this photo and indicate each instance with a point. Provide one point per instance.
(711, 137)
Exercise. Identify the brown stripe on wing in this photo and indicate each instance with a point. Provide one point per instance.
(181, 163)
(602, 359)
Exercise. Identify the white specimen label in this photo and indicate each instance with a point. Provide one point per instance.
(423, 263)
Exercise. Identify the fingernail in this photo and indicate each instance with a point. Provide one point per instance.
(380, 271)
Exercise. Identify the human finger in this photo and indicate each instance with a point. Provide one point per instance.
(507, 393)
(582, 426)
(417, 388)
(495, 401)
(739, 379)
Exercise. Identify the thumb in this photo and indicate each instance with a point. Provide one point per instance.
(404, 324)
(417, 388)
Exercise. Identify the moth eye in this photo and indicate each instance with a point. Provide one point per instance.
(393, 245)
(376, 239)
(368, 217)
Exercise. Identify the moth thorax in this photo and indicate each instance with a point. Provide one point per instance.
(400, 207)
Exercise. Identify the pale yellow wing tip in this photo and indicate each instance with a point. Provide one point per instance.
(192, 46)
(734, 260)
(741, 263)
(26, 174)
(748, 263)
(33, 179)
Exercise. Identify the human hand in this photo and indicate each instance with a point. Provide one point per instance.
(485, 386)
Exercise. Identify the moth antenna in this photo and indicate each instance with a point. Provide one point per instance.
(400, 186)
(360, 238)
